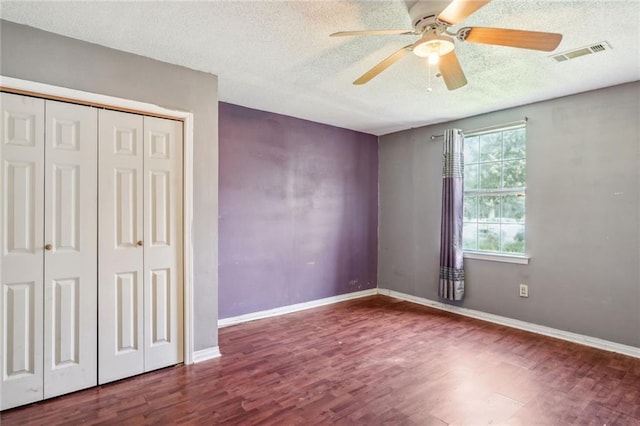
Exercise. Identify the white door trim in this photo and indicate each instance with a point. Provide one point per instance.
(56, 92)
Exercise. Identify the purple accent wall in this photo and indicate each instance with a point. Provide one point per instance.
(298, 210)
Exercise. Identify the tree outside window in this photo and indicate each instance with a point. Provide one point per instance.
(494, 191)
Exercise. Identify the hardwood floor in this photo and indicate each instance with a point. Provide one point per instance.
(369, 361)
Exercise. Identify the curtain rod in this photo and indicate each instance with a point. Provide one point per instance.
(497, 126)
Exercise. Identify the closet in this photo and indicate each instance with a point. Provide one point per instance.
(91, 246)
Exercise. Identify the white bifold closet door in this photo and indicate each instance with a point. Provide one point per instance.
(22, 249)
(140, 244)
(71, 265)
(163, 267)
(48, 250)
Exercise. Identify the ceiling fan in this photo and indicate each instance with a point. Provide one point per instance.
(437, 43)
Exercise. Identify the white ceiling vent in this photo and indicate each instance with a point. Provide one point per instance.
(582, 51)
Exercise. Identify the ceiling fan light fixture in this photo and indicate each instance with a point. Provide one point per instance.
(433, 46)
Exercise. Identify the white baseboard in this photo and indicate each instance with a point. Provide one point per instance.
(206, 354)
(522, 325)
(226, 322)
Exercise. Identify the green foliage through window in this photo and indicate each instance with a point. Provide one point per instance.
(494, 191)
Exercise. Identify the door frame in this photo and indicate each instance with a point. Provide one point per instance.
(47, 91)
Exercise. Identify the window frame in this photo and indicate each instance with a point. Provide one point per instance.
(499, 256)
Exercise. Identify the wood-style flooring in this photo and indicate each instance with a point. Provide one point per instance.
(369, 361)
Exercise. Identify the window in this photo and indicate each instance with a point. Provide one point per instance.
(494, 191)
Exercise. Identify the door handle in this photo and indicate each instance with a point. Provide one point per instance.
(139, 243)
(48, 247)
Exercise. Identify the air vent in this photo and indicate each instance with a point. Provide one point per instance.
(582, 51)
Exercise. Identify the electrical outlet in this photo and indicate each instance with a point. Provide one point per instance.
(524, 290)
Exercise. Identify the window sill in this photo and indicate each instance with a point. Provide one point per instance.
(494, 257)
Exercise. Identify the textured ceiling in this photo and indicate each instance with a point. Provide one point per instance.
(276, 56)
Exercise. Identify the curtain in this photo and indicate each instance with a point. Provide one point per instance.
(451, 254)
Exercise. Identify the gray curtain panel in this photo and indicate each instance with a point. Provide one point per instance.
(451, 254)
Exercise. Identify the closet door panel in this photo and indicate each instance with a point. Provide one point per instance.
(70, 309)
(163, 302)
(21, 249)
(120, 261)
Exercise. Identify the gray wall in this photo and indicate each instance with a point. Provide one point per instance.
(36, 55)
(583, 215)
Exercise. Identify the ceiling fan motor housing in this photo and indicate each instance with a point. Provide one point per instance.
(424, 14)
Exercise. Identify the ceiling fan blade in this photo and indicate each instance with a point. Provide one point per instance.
(371, 32)
(383, 65)
(452, 71)
(458, 10)
(514, 38)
